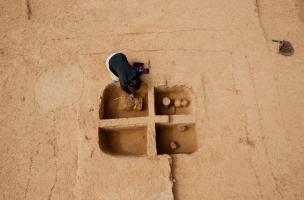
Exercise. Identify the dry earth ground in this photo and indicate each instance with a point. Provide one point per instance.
(249, 99)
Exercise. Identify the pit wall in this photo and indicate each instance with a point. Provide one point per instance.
(147, 132)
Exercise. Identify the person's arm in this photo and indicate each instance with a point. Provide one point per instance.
(125, 88)
(130, 91)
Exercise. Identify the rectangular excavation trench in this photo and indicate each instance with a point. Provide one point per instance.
(114, 106)
(123, 141)
(173, 93)
(175, 138)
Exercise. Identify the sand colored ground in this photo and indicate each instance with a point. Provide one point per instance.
(249, 100)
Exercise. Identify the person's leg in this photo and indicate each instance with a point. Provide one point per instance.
(113, 76)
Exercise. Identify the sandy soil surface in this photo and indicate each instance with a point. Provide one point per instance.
(248, 101)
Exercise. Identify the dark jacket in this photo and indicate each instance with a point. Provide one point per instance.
(120, 66)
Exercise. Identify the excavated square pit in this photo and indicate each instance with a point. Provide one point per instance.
(112, 105)
(174, 135)
(177, 92)
(123, 141)
(175, 139)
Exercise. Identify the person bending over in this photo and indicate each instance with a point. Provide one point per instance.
(122, 71)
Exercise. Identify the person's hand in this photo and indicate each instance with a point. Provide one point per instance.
(132, 90)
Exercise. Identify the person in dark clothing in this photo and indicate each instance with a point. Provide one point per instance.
(122, 71)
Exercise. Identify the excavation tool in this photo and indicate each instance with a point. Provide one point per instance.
(285, 47)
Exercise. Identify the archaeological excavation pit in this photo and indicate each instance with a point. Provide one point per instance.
(175, 139)
(124, 132)
(123, 141)
(173, 94)
(115, 103)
